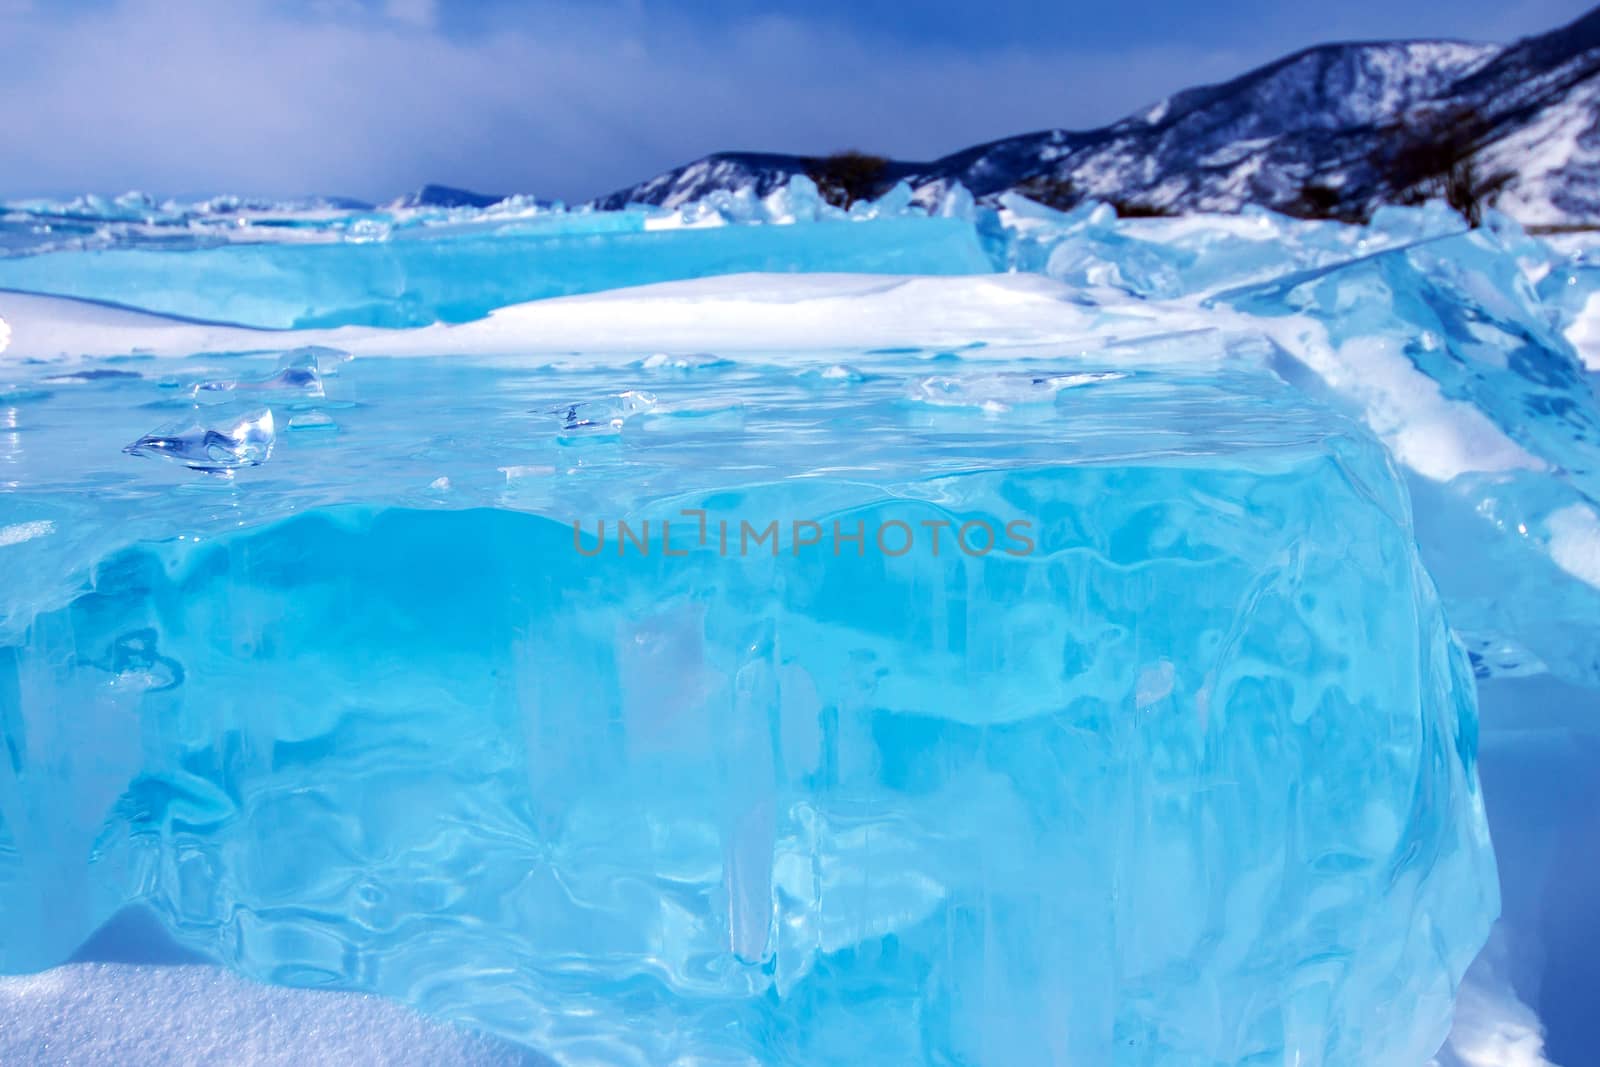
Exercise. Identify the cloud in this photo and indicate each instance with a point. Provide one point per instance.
(188, 96)
(423, 14)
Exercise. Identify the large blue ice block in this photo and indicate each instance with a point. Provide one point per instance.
(1189, 779)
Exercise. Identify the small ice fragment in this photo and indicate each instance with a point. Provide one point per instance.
(299, 376)
(246, 443)
(442, 484)
(1058, 382)
(312, 420)
(991, 392)
(835, 374)
(324, 360)
(603, 416)
(688, 362)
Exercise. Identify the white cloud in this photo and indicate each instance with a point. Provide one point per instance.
(423, 14)
(187, 96)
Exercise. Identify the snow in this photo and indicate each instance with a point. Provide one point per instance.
(19, 532)
(1493, 1027)
(1583, 333)
(1554, 156)
(1438, 438)
(132, 1015)
(746, 312)
(1575, 542)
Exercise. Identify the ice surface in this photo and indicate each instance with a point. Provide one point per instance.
(1165, 775)
(363, 715)
(1457, 350)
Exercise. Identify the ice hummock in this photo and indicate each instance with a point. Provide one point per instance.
(396, 269)
(385, 713)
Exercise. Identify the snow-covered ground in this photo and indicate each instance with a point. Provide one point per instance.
(132, 997)
(187, 1015)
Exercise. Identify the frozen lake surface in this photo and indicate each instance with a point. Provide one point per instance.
(753, 634)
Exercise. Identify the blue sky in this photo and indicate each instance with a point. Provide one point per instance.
(373, 97)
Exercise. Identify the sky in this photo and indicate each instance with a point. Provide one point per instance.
(372, 98)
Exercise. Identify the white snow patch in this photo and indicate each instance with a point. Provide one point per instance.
(123, 1015)
(1545, 155)
(1493, 1027)
(1235, 152)
(1584, 332)
(19, 532)
(1575, 542)
(725, 314)
(1437, 437)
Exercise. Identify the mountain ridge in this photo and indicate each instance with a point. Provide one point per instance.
(1332, 129)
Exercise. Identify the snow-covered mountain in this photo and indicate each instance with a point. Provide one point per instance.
(1333, 129)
